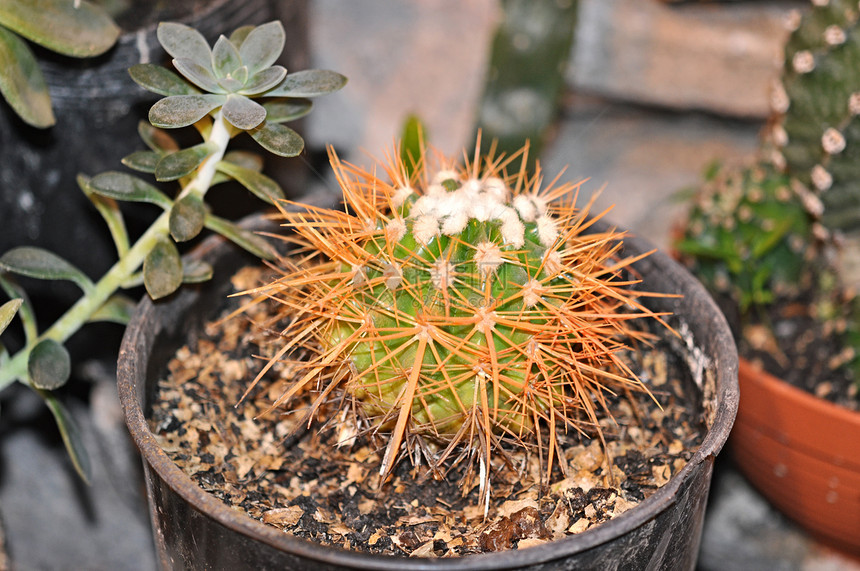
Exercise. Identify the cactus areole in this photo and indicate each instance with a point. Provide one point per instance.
(459, 308)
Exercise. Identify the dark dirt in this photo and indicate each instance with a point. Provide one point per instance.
(790, 343)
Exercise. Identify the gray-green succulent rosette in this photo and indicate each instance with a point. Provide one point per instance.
(231, 78)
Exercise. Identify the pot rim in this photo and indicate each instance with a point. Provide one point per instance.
(132, 364)
(800, 396)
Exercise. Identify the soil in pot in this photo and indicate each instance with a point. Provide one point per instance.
(791, 344)
(301, 481)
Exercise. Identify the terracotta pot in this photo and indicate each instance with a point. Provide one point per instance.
(803, 454)
(194, 530)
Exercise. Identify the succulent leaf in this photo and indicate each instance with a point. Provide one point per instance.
(287, 109)
(156, 139)
(142, 161)
(183, 110)
(245, 159)
(49, 365)
(242, 112)
(78, 29)
(176, 165)
(111, 214)
(117, 309)
(309, 83)
(239, 34)
(264, 80)
(186, 218)
(184, 42)
(162, 270)
(123, 186)
(42, 264)
(278, 139)
(225, 57)
(21, 82)
(8, 311)
(71, 435)
(243, 238)
(160, 80)
(199, 75)
(262, 46)
(25, 311)
(261, 185)
(195, 272)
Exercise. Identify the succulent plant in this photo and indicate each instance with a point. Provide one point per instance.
(75, 28)
(816, 131)
(244, 71)
(754, 239)
(459, 308)
(750, 235)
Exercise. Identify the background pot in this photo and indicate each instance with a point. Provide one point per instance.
(195, 530)
(802, 453)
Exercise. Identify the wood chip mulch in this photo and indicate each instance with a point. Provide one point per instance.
(303, 483)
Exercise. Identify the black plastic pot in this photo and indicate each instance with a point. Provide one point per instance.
(194, 530)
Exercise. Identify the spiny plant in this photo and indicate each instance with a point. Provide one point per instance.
(232, 88)
(750, 235)
(816, 132)
(458, 308)
(75, 28)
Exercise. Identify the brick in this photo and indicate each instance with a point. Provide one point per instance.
(715, 57)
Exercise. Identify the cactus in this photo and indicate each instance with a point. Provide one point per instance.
(816, 132)
(754, 240)
(750, 235)
(459, 308)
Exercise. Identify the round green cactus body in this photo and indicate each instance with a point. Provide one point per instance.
(461, 253)
(460, 306)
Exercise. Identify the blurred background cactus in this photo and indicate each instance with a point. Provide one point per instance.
(458, 308)
(816, 132)
(525, 76)
(771, 238)
(218, 93)
(75, 28)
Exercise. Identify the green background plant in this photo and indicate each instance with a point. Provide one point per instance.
(772, 232)
(525, 77)
(749, 236)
